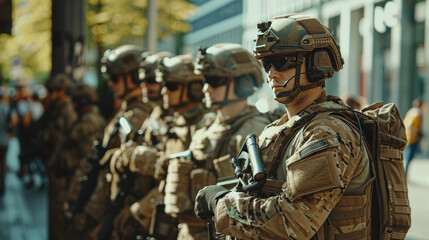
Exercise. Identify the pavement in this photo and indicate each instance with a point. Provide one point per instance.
(418, 193)
(23, 211)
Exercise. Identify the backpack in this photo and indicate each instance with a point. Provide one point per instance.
(383, 130)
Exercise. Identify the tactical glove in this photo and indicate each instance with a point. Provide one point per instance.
(206, 200)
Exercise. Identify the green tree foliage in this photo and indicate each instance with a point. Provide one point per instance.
(115, 22)
(110, 23)
(30, 39)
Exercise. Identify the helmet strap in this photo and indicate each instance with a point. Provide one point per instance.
(127, 89)
(297, 89)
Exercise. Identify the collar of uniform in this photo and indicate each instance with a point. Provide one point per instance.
(191, 115)
(228, 119)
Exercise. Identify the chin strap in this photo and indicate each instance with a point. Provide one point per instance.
(127, 89)
(297, 89)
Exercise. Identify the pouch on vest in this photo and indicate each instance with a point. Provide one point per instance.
(177, 199)
(199, 179)
(223, 166)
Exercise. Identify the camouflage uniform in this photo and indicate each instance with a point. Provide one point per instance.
(177, 139)
(121, 65)
(213, 146)
(323, 161)
(88, 127)
(318, 169)
(138, 155)
(136, 112)
(60, 119)
(176, 70)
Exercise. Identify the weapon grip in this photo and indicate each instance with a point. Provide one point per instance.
(258, 171)
(236, 163)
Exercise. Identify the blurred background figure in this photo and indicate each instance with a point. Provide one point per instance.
(413, 125)
(4, 135)
(352, 101)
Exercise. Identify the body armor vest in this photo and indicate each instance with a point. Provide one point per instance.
(353, 211)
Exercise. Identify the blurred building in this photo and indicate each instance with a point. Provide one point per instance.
(382, 42)
(215, 21)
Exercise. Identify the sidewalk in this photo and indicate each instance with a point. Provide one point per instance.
(418, 193)
(23, 211)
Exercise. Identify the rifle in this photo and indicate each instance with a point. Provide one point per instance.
(125, 184)
(250, 175)
(115, 206)
(92, 170)
(164, 226)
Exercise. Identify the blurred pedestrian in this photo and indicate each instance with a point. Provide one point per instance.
(4, 136)
(57, 122)
(413, 125)
(351, 101)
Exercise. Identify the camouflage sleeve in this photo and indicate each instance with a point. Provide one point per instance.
(136, 117)
(317, 173)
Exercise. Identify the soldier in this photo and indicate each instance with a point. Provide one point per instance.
(231, 75)
(317, 166)
(121, 66)
(88, 127)
(182, 92)
(134, 157)
(58, 120)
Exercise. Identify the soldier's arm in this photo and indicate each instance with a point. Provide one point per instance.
(317, 175)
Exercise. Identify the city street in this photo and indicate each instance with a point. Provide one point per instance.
(23, 211)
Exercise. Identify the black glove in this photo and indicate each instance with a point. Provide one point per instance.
(206, 200)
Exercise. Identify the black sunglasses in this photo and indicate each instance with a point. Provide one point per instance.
(114, 78)
(279, 63)
(172, 86)
(150, 80)
(216, 81)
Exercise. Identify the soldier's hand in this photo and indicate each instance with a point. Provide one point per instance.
(122, 158)
(206, 200)
(107, 156)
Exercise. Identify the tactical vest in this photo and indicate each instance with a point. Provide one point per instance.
(207, 148)
(353, 211)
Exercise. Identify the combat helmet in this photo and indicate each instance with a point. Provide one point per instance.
(149, 64)
(294, 37)
(147, 69)
(84, 95)
(59, 82)
(122, 60)
(179, 70)
(224, 62)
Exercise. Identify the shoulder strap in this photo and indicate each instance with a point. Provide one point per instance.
(288, 132)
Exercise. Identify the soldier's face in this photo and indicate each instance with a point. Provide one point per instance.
(276, 79)
(117, 85)
(213, 94)
(153, 90)
(173, 94)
